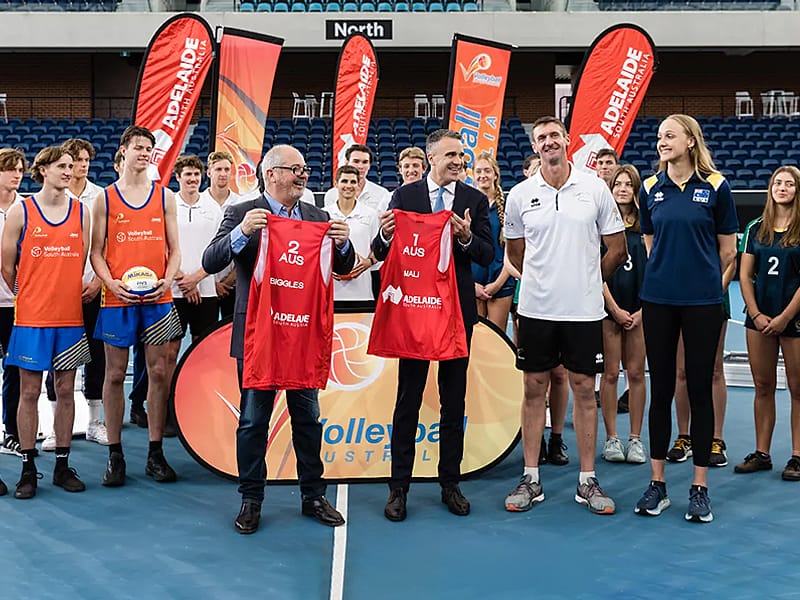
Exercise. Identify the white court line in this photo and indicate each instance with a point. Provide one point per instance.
(339, 545)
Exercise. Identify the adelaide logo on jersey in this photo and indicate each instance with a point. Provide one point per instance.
(395, 295)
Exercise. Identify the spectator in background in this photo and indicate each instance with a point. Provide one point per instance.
(606, 164)
(531, 164)
(12, 169)
(368, 193)
(412, 164)
(219, 170)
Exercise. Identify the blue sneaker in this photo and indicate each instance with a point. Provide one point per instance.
(699, 505)
(653, 501)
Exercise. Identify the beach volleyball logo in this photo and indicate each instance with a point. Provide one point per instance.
(140, 280)
(351, 367)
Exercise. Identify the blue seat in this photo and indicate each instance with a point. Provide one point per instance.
(401, 7)
(264, 7)
(349, 7)
(419, 7)
(280, 7)
(367, 7)
(435, 7)
(470, 7)
(384, 7)
(453, 7)
(315, 7)
(298, 7)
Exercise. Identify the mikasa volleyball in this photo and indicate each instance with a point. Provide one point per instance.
(140, 280)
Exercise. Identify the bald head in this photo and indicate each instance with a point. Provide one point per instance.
(284, 177)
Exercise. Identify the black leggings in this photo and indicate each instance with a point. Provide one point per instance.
(700, 326)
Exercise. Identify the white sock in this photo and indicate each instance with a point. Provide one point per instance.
(533, 472)
(53, 408)
(95, 409)
(597, 379)
(584, 476)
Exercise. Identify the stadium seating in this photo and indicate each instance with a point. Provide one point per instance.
(652, 5)
(346, 5)
(747, 151)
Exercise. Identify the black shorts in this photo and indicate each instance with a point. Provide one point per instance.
(197, 317)
(543, 345)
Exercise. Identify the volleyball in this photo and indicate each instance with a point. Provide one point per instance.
(140, 280)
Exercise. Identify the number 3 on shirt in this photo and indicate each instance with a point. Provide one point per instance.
(628, 266)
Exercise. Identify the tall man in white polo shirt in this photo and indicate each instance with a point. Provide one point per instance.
(219, 168)
(364, 223)
(554, 224)
(80, 187)
(368, 193)
(12, 169)
(194, 291)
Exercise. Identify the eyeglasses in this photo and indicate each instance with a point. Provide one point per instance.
(296, 170)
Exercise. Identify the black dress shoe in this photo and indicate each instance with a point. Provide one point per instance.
(249, 518)
(322, 511)
(456, 503)
(27, 484)
(138, 416)
(396, 505)
(556, 452)
(622, 404)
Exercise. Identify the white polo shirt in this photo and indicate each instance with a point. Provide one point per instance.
(197, 225)
(232, 198)
(561, 277)
(6, 297)
(364, 223)
(87, 198)
(373, 196)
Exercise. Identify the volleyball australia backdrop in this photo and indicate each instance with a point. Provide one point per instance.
(475, 92)
(356, 407)
(173, 71)
(242, 100)
(610, 89)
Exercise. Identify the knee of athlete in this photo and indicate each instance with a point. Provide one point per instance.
(115, 376)
(611, 375)
(157, 371)
(65, 390)
(765, 385)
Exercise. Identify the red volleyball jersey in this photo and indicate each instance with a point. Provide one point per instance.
(289, 326)
(50, 269)
(136, 236)
(418, 314)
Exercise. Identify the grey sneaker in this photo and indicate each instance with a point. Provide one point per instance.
(636, 453)
(590, 494)
(614, 450)
(525, 495)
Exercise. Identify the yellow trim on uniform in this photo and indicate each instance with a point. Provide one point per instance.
(650, 182)
(715, 179)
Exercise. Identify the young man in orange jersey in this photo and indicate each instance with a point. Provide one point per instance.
(134, 224)
(44, 248)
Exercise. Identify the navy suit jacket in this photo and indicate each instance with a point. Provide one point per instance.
(414, 197)
(218, 255)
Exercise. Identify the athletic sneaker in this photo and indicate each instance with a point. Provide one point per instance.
(755, 461)
(49, 443)
(636, 454)
(96, 432)
(10, 445)
(590, 494)
(718, 458)
(792, 470)
(614, 450)
(68, 480)
(681, 449)
(653, 501)
(699, 510)
(525, 495)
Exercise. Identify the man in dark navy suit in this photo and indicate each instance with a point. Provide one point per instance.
(285, 175)
(440, 190)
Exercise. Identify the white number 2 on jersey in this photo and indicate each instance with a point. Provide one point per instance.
(774, 262)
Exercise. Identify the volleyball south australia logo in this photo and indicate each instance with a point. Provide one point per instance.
(351, 367)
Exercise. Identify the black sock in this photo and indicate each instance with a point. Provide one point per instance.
(555, 436)
(62, 458)
(27, 460)
(155, 448)
(112, 448)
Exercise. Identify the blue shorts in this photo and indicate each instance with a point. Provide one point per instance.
(124, 326)
(46, 348)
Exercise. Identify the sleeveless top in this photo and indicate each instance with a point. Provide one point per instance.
(289, 324)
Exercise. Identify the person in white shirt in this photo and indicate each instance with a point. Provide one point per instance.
(368, 193)
(554, 224)
(219, 168)
(364, 223)
(412, 164)
(12, 169)
(82, 152)
(194, 291)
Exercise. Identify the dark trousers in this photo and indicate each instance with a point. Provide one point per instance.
(700, 326)
(139, 388)
(226, 305)
(94, 371)
(10, 374)
(411, 378)
(253, 431)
